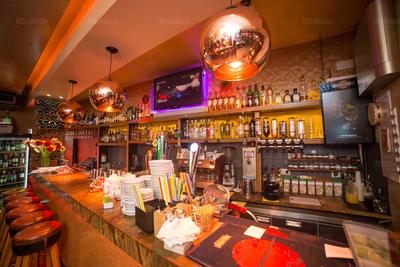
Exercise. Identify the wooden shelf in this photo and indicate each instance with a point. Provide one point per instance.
(222, 140)
(112, 144)
(11, 168)
(314, 141)
(320, 170)
(144, 142)
(325, 160)
(12, 183)
(12, 152)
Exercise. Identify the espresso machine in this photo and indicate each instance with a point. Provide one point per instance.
(209, 166)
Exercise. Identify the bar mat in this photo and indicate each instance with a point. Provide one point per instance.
(309, 248)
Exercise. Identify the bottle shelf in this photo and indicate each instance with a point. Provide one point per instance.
(11, 168)
(12, 152)
(325, 160)
(321, 170)
(11, 183)
(113, 144)
(221, 140)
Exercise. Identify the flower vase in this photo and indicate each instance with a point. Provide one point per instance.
(45, 159)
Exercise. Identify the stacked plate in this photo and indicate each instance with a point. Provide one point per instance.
(147, 194)
(127, 193)
(159, 168)
(147, 180)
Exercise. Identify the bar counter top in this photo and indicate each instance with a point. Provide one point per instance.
(145, 248)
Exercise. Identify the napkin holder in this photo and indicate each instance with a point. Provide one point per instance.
(145, 219)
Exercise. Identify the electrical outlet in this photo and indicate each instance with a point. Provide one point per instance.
(344, 64)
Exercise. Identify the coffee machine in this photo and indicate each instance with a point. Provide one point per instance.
(249, 171)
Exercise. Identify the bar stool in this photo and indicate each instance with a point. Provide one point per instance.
(16, 213)
(35, 238)
(19, 224)
(21, 202)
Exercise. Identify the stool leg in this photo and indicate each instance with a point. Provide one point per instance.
(55, 257)
(18, 261)
(4, 237)
(25, 261)
(6, 256)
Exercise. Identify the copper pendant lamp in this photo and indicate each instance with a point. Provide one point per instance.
(235, 43)
(70, 111)
(106, 96)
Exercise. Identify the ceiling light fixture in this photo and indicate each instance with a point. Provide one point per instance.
(235, 43)
(70, 111)
(106, 95)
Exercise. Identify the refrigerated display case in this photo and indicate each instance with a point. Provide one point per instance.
(14, 161)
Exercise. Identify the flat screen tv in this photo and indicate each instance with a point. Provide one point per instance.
(179, 90)
(345, 112)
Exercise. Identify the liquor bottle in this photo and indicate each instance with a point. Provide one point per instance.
(222, 129)
(212, 129)
(191, 130)
(263, 96)
(252, 127)
(274, 128)
(314, 93)
(283, 129)
(246, 128)
(225, 103)
(220, 102)
(238, 103)
(292, 127)
(267, 130)
(287, 98)
(7, 146)
(231, 101)
(204, 129)
(240, 128)
(195, 130)
(270, 95)
(22, 176)
(303, 89)
(244, 97)
(258, 127)
(215, 103)
(17, 146)
(256, 96)
(208, 129)
(278, 98)
(233, 130)
(296, 95)
(227, 130)
(249, 97)
(300, 129)
(216, 131)
(209, 103)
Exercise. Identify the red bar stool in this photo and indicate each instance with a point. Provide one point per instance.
(21, 202)
(35, 238)
(16, 213)
(19, 224)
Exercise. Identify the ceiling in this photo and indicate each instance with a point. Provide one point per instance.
(26, 26)
(156, 37)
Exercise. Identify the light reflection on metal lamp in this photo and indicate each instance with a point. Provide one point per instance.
(70, 111)
(235, 43)
(107, 96)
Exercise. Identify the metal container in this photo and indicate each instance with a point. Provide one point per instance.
(248, 187)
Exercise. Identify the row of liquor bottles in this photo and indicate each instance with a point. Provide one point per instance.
(11, 145)
(7, 177)
(253, 97)
(114, 136)
(7, 161)
(253, 126)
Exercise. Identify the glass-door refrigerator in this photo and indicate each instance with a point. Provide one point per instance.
(14, 161)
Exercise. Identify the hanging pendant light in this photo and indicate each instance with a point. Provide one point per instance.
(106, 95)
(235, 43)
(70, 111)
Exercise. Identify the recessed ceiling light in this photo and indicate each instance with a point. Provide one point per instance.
(48, 94)
(61, 97)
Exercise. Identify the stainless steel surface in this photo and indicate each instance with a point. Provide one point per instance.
(248, 187)
(26, 27)
(249, 162)
(235, 44)
(388, 130)
(377, 47)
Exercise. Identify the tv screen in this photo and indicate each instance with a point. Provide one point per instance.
(179, 90)
(345, 113)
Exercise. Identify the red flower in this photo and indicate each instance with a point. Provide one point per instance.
(38, 142)
(47, 142)
(51, 148)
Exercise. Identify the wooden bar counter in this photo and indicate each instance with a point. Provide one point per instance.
(93, 236)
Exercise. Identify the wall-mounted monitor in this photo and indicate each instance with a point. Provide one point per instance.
(182, 90)
(345, 112)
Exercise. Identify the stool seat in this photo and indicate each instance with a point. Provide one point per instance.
(29, 219)
(10, 198)
(36, 237)
(21, 211)
(21, 202)
(14, 191)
